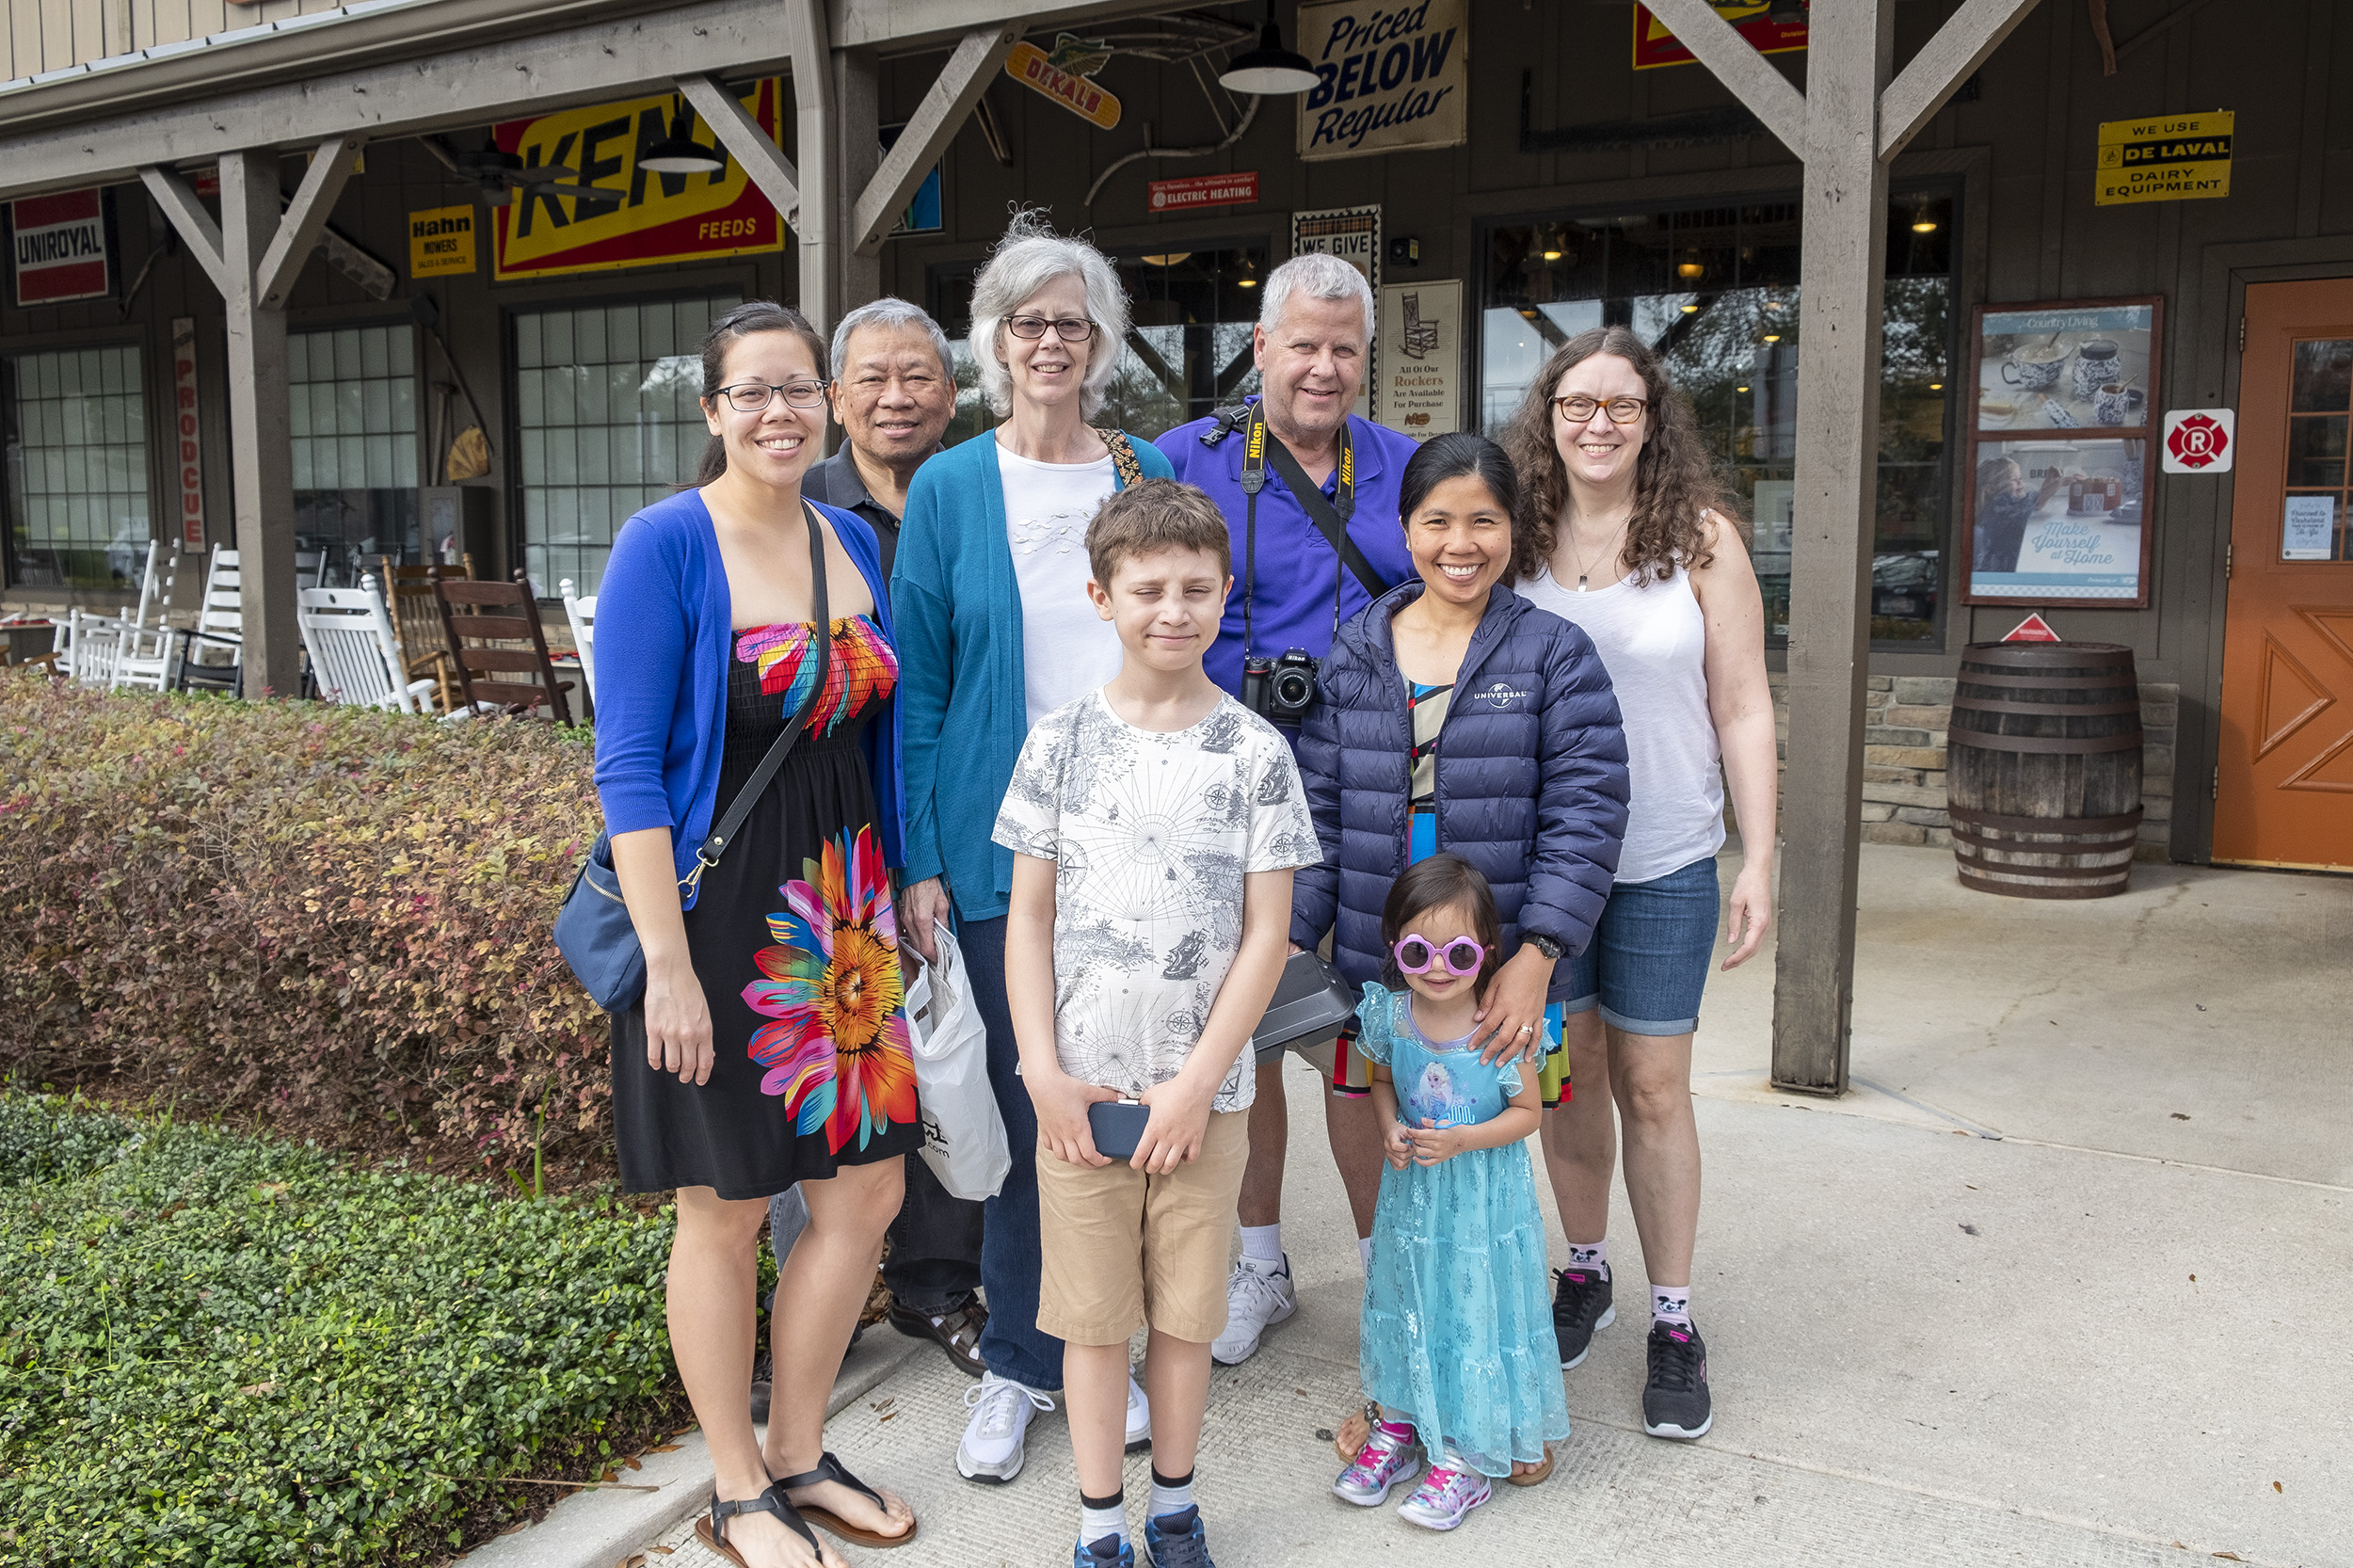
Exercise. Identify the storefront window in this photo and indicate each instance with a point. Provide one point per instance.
(77, 469)
(608, 419)
(1715, 289)
(1187, 350)
(354, 406)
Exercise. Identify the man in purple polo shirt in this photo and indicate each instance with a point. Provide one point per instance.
(1314, 335)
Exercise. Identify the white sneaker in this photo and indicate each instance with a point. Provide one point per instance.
(1258, 1295)
(1139, 1418)
(991, 1452)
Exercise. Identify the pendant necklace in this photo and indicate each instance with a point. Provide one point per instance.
(1581, 559)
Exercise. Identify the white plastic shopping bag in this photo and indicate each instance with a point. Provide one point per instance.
(964, 1136)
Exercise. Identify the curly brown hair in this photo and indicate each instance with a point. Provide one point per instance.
(1675, 482)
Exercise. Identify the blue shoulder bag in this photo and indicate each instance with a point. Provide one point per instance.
(594, 932)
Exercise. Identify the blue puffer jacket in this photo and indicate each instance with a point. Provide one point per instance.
(1531, 780)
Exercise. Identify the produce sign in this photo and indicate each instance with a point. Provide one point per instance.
(650, 218)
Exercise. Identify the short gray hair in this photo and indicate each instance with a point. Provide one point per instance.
(888, 312)
(1320, 276)
(1031, 256)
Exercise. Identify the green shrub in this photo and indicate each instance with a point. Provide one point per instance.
(318, 912)
(222, 1349)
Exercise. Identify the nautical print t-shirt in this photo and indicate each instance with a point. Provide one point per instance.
(1151, 835)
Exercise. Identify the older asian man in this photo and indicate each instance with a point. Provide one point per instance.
(894, 390)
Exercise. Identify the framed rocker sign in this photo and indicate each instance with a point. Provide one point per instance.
(2062, 463)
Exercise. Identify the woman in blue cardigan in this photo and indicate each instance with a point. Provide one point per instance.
(771, 1044)
(996, 631)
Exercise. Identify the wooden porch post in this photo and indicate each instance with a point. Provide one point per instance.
(817, 160)
(1842, 279)
(253, 256)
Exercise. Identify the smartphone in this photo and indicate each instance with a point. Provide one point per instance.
(1118, 1127)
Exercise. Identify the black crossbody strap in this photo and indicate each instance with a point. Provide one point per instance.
(1325, 516)
(745, 798)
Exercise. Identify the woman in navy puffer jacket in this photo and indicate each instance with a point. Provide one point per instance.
(1453, 714)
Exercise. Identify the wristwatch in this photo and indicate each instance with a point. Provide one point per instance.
(1545, 945)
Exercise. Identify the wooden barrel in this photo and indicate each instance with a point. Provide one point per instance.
(2042, 768)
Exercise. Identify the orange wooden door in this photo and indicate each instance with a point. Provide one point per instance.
(2284, 795)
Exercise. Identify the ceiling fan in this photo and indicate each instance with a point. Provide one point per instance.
(497, 174)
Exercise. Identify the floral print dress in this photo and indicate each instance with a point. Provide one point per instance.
(796, 944)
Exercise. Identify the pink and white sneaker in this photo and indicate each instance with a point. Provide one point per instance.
(1390, 1458)
(1446, 1496)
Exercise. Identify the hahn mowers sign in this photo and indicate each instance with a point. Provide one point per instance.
(648, 218)
(1391, 77)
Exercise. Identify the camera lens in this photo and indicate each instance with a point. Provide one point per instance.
(1294, 688)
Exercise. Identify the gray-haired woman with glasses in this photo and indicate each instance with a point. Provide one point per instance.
(988, 595)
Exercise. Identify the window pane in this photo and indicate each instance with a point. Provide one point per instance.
(2316, 451)
(77, 468)
(2323, 378)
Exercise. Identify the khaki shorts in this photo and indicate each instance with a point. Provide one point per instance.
(1120, 1248)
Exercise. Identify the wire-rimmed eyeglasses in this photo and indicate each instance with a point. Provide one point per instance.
(1068, 328)
(749, 397)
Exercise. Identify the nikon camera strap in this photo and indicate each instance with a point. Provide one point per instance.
(1330, 514)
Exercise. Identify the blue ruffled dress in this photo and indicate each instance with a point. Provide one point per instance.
(1457, 1329)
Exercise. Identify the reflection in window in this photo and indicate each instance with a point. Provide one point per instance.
(1188, 348)
(609, 420)
(352, 396)
(1714, 289)
(77, 469)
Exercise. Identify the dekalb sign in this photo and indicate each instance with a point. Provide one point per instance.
(60, 248)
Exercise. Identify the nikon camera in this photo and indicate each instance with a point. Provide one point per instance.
(1279, 690)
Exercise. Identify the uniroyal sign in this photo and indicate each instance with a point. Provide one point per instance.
(60, 248)
(1205, 190)
(184, 440)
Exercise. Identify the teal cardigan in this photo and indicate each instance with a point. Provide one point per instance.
(956, 616)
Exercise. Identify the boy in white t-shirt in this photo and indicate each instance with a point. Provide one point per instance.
(1156, 824)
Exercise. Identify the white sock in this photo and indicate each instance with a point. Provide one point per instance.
(1595, 1256)
(1169, 1496)
(1671, 1304)
(1263, 1243)
(1096, 1522)
(1364, 1252)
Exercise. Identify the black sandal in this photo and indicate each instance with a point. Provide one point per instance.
(712, 1532)
(830, 1469)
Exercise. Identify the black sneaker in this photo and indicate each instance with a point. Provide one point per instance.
(1675, 1400)
(1579, 1306)
(957, 1331)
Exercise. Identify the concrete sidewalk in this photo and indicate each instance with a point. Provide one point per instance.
(2000, 1304)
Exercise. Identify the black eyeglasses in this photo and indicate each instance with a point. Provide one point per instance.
(1033, 327)
(749, 397)
(1579, 410)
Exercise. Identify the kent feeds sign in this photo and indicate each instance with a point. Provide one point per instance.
(60, 248)
(648, 218)
(2171, 158)
(1387, 77)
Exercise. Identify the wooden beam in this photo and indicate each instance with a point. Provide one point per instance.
(904, 26)
(1751, 77)
(1966, 42)
(1842, 285)
(976, 60)
(196, 228)
(305, 221)
(812, 105)
(746, 143)
(261, 436)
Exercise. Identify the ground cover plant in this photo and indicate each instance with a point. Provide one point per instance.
(217, 1348)
(327, 919)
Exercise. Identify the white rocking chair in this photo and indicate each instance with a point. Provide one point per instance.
(353, 656)
(215, 657)
(582, 613)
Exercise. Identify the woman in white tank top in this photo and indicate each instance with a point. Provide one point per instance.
(1629, 536)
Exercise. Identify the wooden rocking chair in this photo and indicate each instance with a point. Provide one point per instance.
(499, 648)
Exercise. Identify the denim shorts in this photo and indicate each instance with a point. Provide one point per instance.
(1647, 962)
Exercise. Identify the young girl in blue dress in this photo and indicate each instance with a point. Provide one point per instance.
(1457, 1343)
